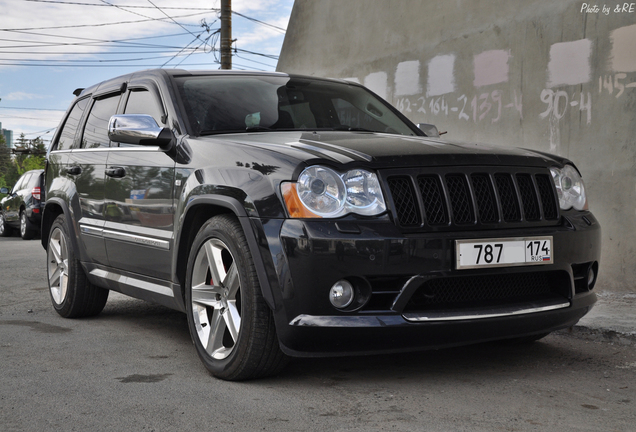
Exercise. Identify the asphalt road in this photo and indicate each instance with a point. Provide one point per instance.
(134, 368)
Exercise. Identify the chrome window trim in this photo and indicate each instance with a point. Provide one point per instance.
(137, 239)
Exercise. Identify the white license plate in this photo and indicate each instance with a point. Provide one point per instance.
(503, 252)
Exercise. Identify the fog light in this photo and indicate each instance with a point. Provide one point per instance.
(341, 294)
(590, 277)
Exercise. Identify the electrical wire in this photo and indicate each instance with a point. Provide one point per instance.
(253, 61)
(172, 19)
(130, 7)
(271, 56)
(260, 22)
(148, 19)
(32, 109)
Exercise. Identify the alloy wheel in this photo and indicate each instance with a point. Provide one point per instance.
(57, 256)
(216, 299)
(23, 224)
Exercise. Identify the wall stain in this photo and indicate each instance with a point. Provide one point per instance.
(37, 326)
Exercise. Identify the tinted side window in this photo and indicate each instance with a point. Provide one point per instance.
(34, 180)
(22, 183)
(96, 130)
(144, 102)
(67, 136)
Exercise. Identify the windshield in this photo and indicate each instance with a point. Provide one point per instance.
(229, 104)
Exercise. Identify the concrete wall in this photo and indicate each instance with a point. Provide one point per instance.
(540, 74)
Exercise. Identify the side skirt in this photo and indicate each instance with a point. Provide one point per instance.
(138, 286)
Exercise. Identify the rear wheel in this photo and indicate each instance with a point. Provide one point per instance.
(231, 325)
(73, 296)
(5, 230)
(27, 229)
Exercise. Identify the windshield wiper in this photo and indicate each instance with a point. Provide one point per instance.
(231, 131)
(353, 129)
(258, 129)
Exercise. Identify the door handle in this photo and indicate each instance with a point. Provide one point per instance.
(74, 170)
(116, 172)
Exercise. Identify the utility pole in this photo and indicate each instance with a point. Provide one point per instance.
(226, 34)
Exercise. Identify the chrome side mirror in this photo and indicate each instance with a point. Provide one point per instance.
(139, 129)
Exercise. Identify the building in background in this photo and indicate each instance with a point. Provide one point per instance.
(8, 136)
(554, 76)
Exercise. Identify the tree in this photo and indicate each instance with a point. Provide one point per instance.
(30, 154)
(5, 161)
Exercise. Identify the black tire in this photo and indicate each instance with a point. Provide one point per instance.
(215, 310)
(27, 229)
(5, 230)
(72, 295)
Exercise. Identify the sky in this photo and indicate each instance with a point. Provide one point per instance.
(49, 48)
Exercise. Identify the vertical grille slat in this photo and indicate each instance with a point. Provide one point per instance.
(486, 205)
(433, 200)
(547, 197)
(528, 197)
(445, 198)
(508, 198)
(460, 199)
(405, 202)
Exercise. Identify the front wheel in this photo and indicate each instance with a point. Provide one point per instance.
(231, 325)
(73, 296)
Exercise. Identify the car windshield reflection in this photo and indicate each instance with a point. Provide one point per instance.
(237, 104)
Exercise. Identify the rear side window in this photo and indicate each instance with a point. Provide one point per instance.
(34, 180)
(22, 183)
(96, 130)
(67, 136)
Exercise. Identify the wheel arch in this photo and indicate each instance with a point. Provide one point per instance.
(52, 210)
(200, 209)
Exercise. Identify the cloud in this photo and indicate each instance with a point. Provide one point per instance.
(15, 96)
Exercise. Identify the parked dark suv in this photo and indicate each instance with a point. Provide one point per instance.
(296, 216)
(20, 209)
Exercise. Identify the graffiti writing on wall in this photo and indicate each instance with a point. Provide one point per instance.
(572, 84)
(487, 106)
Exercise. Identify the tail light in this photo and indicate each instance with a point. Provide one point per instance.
(35, 193)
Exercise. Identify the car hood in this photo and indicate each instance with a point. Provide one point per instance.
(386, 150)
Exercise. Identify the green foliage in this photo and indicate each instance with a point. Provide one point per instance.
(12, 167)
(5, 163)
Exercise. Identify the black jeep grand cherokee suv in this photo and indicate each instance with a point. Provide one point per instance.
(295, 216)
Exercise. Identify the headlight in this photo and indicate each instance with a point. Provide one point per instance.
(570, 188)
(323, 192)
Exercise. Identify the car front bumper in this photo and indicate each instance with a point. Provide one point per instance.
(304, 259)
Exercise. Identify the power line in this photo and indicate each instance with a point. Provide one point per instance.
(93, 66)
(101, 61)
(127, 6)
(253, 61)
(172, 19)
(25, 30)
(123, 40)
(271, 56)
(31, 109)
(260, 22)
(30, 118)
